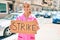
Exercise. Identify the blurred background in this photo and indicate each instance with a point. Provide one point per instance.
(47, 13)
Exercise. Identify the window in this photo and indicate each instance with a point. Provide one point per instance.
(37, 9)
(11, 6)
(40, 9)
(2, 8)
(47, 9)
(32, 9)
(20, 8)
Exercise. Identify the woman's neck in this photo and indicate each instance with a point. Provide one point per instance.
(26, 16)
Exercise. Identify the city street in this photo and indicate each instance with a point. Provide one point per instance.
(48, 30)
(47, 11)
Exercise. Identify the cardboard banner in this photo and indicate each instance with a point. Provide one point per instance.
(18, 26)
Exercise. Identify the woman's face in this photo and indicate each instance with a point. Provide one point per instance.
(27, 9)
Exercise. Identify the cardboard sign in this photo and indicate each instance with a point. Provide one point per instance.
(18, 26)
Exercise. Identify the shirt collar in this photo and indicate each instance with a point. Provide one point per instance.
(28, 17)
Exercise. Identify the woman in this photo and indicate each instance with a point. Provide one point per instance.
(26, 17)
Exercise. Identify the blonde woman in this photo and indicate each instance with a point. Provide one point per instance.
(26, 17)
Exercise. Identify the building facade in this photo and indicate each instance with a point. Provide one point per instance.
(5, 6)
(35, 4)
(56, 4)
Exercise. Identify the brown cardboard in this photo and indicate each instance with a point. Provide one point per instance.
(18, 26)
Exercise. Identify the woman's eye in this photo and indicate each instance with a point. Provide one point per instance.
(24, 6)
(27, 6)
(30, 12)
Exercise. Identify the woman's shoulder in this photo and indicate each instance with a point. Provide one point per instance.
(19, 17)
(32, 17)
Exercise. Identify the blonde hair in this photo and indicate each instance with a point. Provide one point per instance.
(28, 2)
